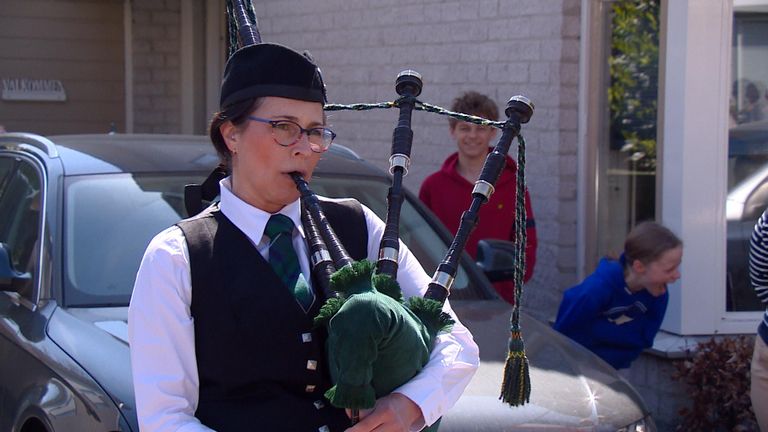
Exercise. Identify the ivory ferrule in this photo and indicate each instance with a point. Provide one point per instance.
(388, 253)
(483, 188)
(320, 256)
(399, 160)
(443, 279)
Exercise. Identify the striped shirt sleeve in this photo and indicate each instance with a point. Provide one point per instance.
(758, 261)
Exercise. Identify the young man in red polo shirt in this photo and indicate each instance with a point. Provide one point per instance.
(448, 192)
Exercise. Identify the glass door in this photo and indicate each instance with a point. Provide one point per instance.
(626, 148)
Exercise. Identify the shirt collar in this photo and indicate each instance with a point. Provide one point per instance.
(251, 220)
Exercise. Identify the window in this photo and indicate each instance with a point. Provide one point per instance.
(747, 152)
(20, 204)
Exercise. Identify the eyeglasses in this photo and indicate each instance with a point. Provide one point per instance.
(286, 133)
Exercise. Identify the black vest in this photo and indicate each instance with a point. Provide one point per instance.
(260, 364)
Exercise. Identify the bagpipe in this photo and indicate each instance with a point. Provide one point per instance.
(360, 305)
(377, 340)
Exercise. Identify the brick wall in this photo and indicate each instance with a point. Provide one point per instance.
(156, 78)
(499, 47)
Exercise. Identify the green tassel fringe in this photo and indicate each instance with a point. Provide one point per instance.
(327, 311)
(516, 386)
(387, 286)
(353, 279)
(352, 397)
(431, 314)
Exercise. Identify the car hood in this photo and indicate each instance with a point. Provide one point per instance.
(572, 389)
(97, 339)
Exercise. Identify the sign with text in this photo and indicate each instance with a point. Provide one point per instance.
(24, 89)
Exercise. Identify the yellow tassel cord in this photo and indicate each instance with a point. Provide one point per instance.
(516, 386)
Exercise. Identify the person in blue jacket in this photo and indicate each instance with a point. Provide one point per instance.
(617, 310)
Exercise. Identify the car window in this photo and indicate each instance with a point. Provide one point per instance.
(6, 165)
(417, 233)
(109, 221)
(20, 204)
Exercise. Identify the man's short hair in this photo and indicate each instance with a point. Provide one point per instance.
(476, 104)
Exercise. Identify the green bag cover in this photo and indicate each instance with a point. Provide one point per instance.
(376, 342)
(375, 345)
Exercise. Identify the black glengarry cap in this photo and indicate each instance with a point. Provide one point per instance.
(270, 70)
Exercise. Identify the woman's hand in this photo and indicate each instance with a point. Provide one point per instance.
(392, 413)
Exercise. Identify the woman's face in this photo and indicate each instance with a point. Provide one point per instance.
(261, 166)
(655, 275)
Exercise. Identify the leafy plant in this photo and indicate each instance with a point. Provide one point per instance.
(634, 71)
(717, 379)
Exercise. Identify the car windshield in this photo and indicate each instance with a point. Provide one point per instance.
(415, 231)
(110, 219)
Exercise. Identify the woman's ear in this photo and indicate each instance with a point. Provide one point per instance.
(230, 134)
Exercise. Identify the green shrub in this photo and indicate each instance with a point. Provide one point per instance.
(717, 379)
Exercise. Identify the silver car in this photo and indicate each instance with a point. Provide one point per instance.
(76, 213)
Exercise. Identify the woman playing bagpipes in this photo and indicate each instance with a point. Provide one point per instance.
(221, 319)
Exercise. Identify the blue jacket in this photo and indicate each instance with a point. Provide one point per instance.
(604, 316)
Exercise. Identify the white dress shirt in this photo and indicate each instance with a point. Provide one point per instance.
(161, 328)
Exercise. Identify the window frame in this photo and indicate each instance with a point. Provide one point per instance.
(692, 166)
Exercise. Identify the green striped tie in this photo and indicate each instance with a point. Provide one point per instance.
(283, 259)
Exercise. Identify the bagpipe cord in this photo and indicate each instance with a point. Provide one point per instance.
(516, 385)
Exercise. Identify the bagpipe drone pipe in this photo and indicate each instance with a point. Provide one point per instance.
(377, 340)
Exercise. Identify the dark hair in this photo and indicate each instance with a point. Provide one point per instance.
(751, 93)
(237, 113)
(648, 241)
(474, 103)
